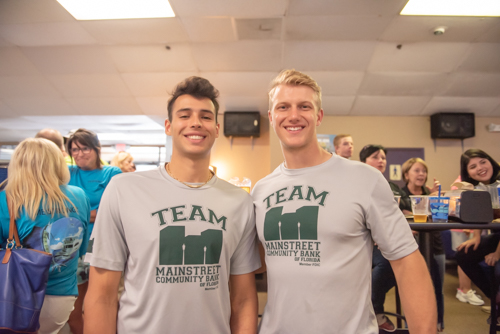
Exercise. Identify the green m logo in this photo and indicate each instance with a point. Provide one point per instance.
(299, 225)
(178, 249)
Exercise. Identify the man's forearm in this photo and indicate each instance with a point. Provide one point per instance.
(417, 293)
(244, 305)
(101, 302)
(100, 315)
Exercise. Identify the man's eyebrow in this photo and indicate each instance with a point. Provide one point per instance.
(190, 109)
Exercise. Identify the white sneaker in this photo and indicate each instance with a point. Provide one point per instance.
(469, 297)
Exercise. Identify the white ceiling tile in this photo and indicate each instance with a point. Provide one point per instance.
(389, 105)
(13, 62)
(492, 35)
(4, 43)
(481, 106)
(244, 103)
(154, 84)
(155, 58)
(483, 57)
(105, 106)
(420, 57)
(402, 84)
(209, 29)
(26, 11)
(153, 105)
(328, 56)
(70, 59)
(337, 105)
(407, 29)
(239, 56)
(5, 110)
(50, 33)
(91, 85)
(346, 7)
(236, 8)
(473, 84)
(241, 83)
(336, 28)
(136, 31)
(40, 106)
(259, 29)
(338, 83)
(26, 86)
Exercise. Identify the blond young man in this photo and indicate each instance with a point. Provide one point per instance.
(316, 217)
(182, 236)
(343, 145)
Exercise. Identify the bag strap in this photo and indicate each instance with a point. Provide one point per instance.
(13, 235)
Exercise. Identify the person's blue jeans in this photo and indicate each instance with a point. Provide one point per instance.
(382, 280)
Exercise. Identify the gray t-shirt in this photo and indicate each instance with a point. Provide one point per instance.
(178, 246)
(316, 225)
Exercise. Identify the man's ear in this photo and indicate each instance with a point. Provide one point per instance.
(167, 127)
(320, 117)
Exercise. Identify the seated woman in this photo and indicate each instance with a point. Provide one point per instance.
(415, 173)
(124, 161)
(383, 278)
(50, 216)
(476, 166)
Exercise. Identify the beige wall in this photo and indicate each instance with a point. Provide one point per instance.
(242, 159)
(443, 159)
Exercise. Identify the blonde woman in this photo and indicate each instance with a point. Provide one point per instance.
(415, 172)
(124, 161)
(50, 216)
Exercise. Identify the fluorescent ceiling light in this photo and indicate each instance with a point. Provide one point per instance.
(452, 7)
(117, 9)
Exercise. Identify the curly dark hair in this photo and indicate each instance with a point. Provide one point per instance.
(477, 153)
(197, 87)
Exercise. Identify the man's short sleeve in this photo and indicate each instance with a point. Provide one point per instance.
(388, 226)
(246, 258)
(108, 248)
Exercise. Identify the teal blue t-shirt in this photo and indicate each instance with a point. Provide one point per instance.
(93, 182)
(64, 237)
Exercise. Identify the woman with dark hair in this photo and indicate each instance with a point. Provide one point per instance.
(383, 278)
(89, 174)
(476, 166)
(51, 216)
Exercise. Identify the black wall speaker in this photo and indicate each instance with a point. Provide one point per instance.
(242, 123)
(452, 125)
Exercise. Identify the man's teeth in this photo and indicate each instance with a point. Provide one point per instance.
(195, 137)
(295, 128)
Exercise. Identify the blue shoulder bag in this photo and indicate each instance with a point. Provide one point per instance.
(23, 280)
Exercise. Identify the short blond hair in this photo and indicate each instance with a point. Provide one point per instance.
(294, 78)
(338, 138)
(119, 158)
(408, 164)
(36, 172)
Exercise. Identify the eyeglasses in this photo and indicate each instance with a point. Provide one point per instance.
(84, 150)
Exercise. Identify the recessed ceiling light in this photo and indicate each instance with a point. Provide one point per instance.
(452, 7)
(117, 9)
